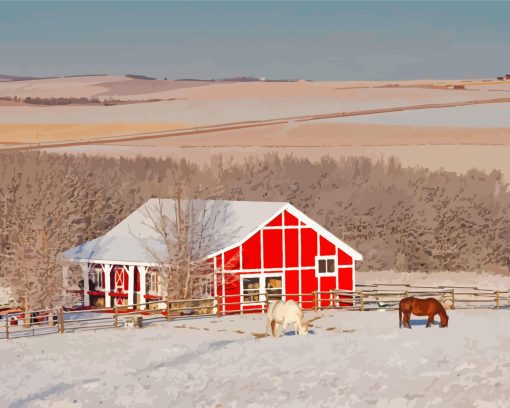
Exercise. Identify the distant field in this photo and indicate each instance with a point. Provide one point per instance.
(487, 116)
(39, 133)
(456, 138)
(214, 103)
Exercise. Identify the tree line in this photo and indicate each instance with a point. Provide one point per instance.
(408, 219)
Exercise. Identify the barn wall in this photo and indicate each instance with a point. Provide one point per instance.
(345, 277)
(273, 254)
(232, 288)
(289, 246)
(232, 260)
(292, 283)
(309, 284)
(251, 252)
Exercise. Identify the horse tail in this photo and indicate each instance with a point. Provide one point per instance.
(400, 317)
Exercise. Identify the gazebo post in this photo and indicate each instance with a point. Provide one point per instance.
(131, 285)
(85, 267)
(107, 269)
(143, 285)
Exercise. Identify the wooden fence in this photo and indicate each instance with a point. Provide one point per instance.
(365, 298)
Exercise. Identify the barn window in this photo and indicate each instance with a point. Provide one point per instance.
(251, 289)
(326, 265)
(254, 288)
(274, 288)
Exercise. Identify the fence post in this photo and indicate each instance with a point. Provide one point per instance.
(218, 312)
(61, 319)
(453, 299)
(167, 309)
(7, 326)
(406, 293)
(115, 316)
(315, 301)
(331, 298)
(361, 302)
(497, 299)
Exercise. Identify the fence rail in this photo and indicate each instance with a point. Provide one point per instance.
(365, 298)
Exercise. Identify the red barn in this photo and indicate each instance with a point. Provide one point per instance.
(286, 255)
(254, 248)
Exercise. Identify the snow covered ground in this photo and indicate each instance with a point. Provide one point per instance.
(490, 281)
(478, 116)
(351, 359)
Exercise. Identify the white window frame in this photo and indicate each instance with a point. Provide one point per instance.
(253, 292)
(262, 288)
(325, 258)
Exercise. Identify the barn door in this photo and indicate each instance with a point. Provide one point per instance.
(119, 285)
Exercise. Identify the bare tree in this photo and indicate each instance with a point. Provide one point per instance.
(188, 230)
(410, 218)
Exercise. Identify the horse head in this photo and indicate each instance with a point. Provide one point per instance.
(303, 329)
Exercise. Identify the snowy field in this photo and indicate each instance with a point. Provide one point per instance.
(496, 115)
(490, 281)
(350, 359)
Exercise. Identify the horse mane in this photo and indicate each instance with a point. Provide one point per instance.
(442, 310)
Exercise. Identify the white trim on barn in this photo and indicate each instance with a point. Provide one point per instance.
(262, 288)
(355, 255)
(325, 258)
(307, 220)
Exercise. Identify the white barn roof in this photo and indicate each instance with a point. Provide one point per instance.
(135, 239)
(217, 226)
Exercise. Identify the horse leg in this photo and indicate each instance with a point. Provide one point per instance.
(284, 326)
(269, 326)
(408, 318)
(274, 327)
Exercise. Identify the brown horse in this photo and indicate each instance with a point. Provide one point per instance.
(421, 307)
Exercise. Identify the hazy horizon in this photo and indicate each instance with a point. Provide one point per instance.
(277, 40)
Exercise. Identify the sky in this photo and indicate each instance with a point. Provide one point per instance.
(293, 40)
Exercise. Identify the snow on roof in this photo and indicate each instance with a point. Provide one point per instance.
(139, 238)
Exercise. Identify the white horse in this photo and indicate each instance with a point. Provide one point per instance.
(284, 313)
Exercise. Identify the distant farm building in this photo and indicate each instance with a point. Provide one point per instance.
(250, 248)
